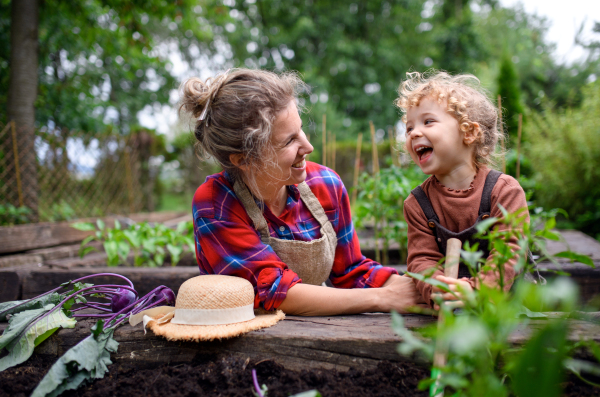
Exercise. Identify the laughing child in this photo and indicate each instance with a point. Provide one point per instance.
(451, 134)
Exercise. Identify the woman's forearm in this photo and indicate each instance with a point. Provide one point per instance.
(314, 300)
(398, 293)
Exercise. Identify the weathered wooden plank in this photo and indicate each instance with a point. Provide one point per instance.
(11, 281)
(357, 341)
(41, 280)
(48, 234)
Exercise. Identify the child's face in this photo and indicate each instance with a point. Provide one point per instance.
(434, 140)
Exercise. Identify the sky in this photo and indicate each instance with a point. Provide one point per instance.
(565, 18)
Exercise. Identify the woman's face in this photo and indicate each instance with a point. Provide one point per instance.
(287, 166)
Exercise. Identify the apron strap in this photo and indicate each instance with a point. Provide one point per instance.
(313, 204)
(425, 204)
(485, 207)
(252, 209)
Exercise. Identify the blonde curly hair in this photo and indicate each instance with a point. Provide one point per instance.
(465, 100)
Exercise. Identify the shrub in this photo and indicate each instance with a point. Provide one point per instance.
(564, 149)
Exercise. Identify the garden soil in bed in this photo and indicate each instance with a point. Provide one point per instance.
(209, 375)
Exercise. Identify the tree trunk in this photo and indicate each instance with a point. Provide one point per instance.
(22, 92)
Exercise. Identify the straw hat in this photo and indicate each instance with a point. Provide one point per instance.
(209, 307)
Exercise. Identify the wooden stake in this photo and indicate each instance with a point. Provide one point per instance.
(393, 148)
(17, 165)
(324, 140)
(375, 154)
(129, 181)
(356, 168)
(519, 146)
(375, 190)
(439, 357)
(333, 142)
(502, 132)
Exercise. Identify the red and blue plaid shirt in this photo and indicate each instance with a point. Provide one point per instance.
(228, 243)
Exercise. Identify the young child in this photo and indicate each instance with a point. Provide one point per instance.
(451, 133)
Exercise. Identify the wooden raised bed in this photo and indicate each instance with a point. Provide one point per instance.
(338, 342)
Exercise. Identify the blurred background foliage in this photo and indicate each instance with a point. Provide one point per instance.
(105, 66)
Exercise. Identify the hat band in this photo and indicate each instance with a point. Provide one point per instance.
(213, 316)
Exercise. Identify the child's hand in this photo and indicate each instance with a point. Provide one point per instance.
(460, 290)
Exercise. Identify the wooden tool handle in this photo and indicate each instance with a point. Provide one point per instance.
(452, 257)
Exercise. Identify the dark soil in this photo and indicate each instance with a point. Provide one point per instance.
(231, 376)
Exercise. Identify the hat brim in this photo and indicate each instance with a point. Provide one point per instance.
(199, 333)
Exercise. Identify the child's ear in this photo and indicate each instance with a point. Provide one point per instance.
(472, 134)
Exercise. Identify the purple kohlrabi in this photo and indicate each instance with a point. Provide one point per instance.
(167, 294)
(121, 299)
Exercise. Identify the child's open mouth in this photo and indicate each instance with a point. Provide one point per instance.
(424, 152)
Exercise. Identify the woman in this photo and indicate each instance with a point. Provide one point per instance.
(272, 217)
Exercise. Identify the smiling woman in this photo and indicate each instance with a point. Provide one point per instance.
(271, 217)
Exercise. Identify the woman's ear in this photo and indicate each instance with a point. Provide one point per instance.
(472, 134)
(237, 159)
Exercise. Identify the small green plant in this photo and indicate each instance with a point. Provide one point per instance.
(60, 211)
(481, 359)
(381, 201)
(149, 243)
(11, 215)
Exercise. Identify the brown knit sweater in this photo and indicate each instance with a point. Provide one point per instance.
(457, 210)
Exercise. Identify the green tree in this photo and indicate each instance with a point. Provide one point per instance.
(458, 43)
(353, 54)
(564, 149)
(510, 92)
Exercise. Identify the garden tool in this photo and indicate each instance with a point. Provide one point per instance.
(439, 357)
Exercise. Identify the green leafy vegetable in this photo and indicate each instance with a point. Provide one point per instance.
(12, 307)
(82, 363)
(25, 333)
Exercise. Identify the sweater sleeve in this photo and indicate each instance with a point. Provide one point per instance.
(511, 196)
(423, 252)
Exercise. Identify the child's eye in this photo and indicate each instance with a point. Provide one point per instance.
(429, 121)
(408, 130)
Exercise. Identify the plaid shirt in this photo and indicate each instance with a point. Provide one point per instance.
(228, 243)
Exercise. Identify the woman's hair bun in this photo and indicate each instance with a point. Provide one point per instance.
(195, 95)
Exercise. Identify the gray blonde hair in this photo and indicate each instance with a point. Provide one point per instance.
(238, 109)
(465, 100)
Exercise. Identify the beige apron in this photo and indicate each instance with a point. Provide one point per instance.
(311, 260)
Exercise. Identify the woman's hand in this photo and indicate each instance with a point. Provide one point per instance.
(460, 288)
(399, 293)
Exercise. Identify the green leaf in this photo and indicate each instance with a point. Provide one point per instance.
(83, 252)
(87, 360)
(528, 313)
(579, 366)
(112, 252)
(28, 329)
(117, 224)
(548, 234)
(100, 224)
(309, 393)
(486, 224)
(175, 252)
(83, 226)
(538, 369)
(430, 281)
(13, 307)
(133, 237)
(575, 257)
